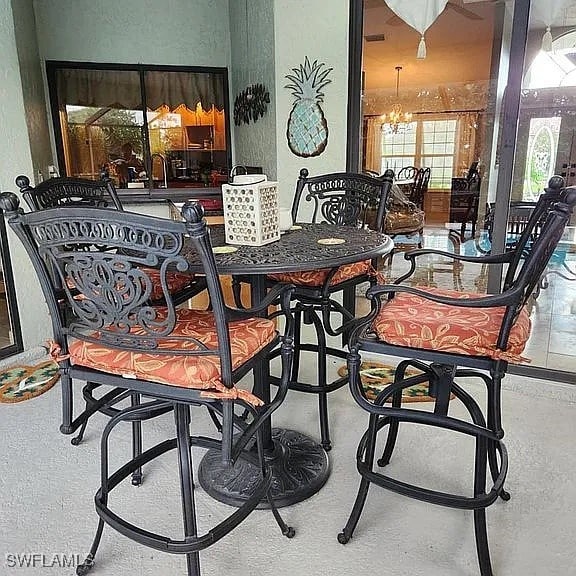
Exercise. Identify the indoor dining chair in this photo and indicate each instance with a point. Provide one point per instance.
(449, 337)
(344, 199)
(176, 359)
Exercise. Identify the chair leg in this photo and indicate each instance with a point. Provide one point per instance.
(399, 374)
(80, 436)
(480, 531)
(297, 344)
(182, 419)
(88, 564)
(66, 388)
(315, 320)
(287, 531)
(494, 422)
(136, 441)
(348, 530)
(392, 432)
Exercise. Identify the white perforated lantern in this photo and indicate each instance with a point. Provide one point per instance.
(251, 210)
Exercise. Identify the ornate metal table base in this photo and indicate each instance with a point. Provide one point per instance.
(300, 467)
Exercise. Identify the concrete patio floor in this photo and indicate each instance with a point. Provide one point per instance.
(47, 487)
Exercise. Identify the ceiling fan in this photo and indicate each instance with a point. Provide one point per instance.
(454, 6)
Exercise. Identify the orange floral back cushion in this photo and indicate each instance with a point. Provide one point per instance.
(413, 321)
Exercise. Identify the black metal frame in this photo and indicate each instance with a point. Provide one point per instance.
(442, 374)
(52, 66)
(65, 193)
(10, 292)
(115, 312)
(347, 199)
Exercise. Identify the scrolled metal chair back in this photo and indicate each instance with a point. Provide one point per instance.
(109, 293)
(66, 191)
(538, 254)
(344, 198)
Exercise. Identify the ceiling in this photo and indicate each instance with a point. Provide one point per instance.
(458, 48)
(459, 43)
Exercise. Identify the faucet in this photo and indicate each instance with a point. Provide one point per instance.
(164, 166)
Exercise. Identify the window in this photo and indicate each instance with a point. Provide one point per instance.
(145, 126)
(424, 143)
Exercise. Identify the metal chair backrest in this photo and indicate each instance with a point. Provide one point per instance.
(344, 198)
(407, 173)
(108, 293)
(537, 254)
(525, 221)
(420, 187)
(65, 191)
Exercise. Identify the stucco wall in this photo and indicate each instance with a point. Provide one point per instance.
(319, 30)
(252, 52)
(15, 160)
(175, 32)
(32, 87)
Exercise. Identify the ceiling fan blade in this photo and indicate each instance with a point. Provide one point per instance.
(464, 11)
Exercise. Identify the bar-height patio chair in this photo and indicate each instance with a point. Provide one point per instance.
(64, 193)
(448, 336)
(177, 359)
(347, 199)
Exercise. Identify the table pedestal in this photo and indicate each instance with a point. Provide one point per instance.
(300, 467)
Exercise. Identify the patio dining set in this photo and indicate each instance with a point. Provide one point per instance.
(119, 285)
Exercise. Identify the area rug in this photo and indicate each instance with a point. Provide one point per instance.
(21, 383)
(375, 376)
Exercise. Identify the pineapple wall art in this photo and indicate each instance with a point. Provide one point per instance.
(307, 130)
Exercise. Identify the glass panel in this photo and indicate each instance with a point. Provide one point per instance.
(103, 126)
(546, 145)
(188, 128)
(543, 136)
(101, 122)
(453, 122)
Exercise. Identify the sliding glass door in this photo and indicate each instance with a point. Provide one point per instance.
(491, 110)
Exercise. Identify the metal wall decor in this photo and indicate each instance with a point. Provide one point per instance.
(251, 104)
(307, 130)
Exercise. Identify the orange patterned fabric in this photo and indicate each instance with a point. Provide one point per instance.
(413, 321)
(247, 337)
(317, 278)
(176, 282)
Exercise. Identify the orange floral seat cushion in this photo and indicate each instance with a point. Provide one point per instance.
(317, 278)
(176, 281)
(413, 321)
(247, 337)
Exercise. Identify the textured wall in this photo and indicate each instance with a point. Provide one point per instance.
(32, 87)
(175, 32)
(16, 159)
(317, 29)
(252, 47)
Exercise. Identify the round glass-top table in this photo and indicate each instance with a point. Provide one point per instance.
(300, 466)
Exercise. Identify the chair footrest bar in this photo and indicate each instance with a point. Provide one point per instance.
(164, 543)
(311, 388)
(427, 495)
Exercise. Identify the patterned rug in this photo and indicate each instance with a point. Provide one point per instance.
(21, 383)
(376, 376)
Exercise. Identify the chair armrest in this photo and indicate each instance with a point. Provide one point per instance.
(504, 258)
(506, 298)
(487, 259)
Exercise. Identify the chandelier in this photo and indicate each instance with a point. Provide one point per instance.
(396, 120)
